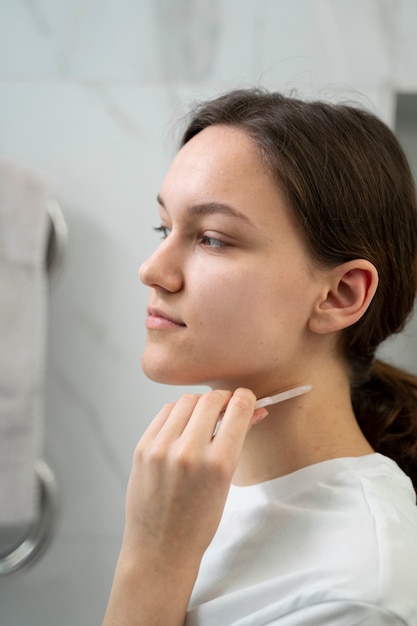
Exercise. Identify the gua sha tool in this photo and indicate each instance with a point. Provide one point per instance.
(268, 400)
(284, 395)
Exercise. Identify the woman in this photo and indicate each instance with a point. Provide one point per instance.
(289, 254)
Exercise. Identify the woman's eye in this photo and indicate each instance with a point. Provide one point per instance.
(212, 242)
(205, 240)
(164, 230)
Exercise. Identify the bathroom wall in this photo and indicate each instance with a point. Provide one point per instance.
(90, 91)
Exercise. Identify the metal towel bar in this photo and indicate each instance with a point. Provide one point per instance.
(23, 546)
(39, 532)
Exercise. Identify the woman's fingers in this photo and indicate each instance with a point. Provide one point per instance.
(178, 418)
(203, 420)
(198, 417)
(236, 422)
(193, 416)
(200, 431)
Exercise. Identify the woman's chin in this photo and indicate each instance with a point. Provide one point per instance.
(168, 368)
(166, 374)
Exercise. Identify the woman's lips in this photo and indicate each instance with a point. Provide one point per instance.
(159, 320)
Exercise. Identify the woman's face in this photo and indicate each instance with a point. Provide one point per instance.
(231, 284)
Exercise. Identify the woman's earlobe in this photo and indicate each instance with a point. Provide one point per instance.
(350, 290)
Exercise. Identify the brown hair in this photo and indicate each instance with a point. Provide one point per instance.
(351, 189)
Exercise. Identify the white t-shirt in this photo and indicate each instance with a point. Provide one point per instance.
(331, 544)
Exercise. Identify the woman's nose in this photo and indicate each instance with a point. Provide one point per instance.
(162, 269)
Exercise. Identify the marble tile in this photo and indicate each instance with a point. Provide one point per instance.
(98, 147)
(187, 36)
(314, 44)
(236, 52)
(117, 40)
(35, 36)
(114, 41)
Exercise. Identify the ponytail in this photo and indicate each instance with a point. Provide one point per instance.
(386, 409)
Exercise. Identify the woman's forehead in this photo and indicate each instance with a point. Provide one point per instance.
(220, 160)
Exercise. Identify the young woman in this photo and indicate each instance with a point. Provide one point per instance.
(289, 254)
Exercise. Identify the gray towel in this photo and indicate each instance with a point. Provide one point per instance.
(24, 194)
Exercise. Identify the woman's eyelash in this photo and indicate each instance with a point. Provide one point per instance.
(206, 240)
(164, 230)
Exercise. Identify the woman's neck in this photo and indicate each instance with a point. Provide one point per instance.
(311, 428)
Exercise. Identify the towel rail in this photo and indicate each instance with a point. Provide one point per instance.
(27, 544)
(40, 532)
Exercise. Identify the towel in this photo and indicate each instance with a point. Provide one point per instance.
(24, 228)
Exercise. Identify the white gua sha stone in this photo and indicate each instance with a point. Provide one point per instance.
(268, 400)
(284, 395)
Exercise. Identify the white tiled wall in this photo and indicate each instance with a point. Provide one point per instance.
(90, 91)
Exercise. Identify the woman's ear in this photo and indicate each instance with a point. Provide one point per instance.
(348, 292)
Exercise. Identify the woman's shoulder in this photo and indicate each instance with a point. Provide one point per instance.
(359, 511)
(362, 508)
(365, 479)
(341, 531)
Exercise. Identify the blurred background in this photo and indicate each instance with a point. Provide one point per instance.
(90, 93)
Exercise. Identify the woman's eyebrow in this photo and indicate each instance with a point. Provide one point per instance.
(211, 208)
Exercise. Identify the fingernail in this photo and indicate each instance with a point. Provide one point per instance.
(259, 415)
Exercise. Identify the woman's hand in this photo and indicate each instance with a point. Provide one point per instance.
(181, 474)
(177, 489)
